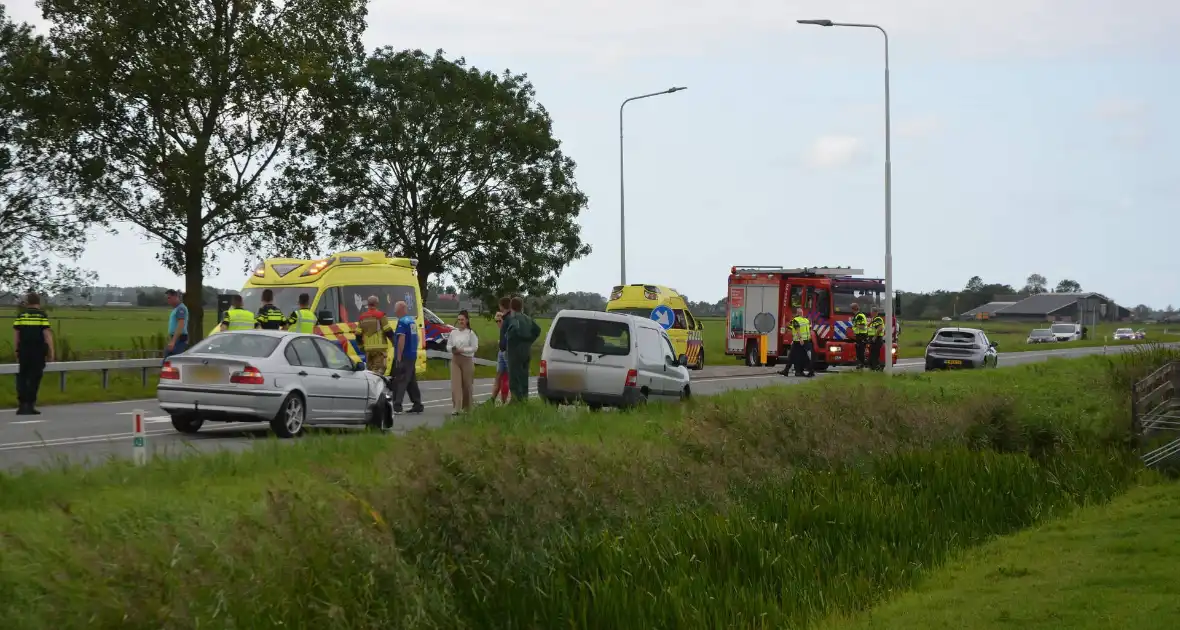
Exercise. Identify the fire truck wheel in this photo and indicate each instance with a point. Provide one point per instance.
(752, 355)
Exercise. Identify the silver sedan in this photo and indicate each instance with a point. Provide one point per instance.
(290, 380)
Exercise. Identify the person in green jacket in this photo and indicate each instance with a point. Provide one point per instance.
(520, 331)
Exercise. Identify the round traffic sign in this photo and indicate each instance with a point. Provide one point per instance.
(663, 316)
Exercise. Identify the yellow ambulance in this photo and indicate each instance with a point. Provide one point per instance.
(686, 331)
(339, 287)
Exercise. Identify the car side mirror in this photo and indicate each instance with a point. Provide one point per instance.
(325, 318)
(358, 367)
(682, 361)
(994, 344)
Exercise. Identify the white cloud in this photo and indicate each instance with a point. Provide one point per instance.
(834, 151)
(920, 127)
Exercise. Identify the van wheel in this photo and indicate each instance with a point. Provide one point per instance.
(700, 361)
(186, 424)
(685, 394)
(288, 423)
(752, 355)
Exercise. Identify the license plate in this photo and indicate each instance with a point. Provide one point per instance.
(570, 382)
(203, 374)
(954, 362)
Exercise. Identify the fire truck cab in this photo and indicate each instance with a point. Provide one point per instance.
(762, 301)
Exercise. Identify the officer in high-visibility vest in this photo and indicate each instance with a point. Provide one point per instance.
(860, 331)
(269, 316)
(302, 320)
(801, 347)
(876, 340)
(237, 317)
(34, 347)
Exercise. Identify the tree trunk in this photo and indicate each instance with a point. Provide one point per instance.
(424, 275)
(194, 293)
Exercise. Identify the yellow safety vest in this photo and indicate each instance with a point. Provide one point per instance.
(301, 321)
(878, 326)
(801, 326)
(239, 319)
(860, 324)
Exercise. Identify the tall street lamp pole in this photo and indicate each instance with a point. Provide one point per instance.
(888, 195)
(622, 211)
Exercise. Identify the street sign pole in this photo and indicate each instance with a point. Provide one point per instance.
(139, 438)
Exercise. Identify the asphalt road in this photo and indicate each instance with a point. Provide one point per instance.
(94, 432)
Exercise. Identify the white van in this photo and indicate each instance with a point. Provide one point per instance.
(1066, 332)
(609, 359)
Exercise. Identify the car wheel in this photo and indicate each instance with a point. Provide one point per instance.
(752, 355)
(382, 416)
(186, 424)
(685, 394)
(289, 421)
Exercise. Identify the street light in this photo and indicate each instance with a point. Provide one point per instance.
(622, 212)
(888, 194)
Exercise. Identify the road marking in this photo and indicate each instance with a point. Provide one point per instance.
(25, 421)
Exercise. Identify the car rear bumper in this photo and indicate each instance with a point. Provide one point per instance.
(630, 396)
(246, 405)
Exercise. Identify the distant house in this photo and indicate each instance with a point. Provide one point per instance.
(987, 311)
(1064, 307)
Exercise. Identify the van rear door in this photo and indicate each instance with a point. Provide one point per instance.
(610, 357)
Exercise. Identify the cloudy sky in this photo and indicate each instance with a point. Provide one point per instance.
(1028, 136)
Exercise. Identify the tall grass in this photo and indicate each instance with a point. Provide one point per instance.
(762, 509)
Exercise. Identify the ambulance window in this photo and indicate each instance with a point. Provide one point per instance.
(354, 299)
(688, 318)
(679, 324)
(330, 301)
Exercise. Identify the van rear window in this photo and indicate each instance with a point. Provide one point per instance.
(592, 336)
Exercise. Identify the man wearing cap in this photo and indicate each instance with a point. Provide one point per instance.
(177, 324)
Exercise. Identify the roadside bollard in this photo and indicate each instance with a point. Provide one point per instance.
(762, 348)
(139, 441)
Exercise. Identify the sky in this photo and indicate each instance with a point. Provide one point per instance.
(1028, 136)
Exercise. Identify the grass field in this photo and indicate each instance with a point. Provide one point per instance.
(760, 509)
(101, 333)
(1106, 567)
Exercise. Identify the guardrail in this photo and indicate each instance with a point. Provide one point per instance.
(143, 365)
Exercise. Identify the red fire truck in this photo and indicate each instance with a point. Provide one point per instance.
(762, 302)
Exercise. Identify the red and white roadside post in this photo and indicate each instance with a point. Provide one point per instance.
(139, 438)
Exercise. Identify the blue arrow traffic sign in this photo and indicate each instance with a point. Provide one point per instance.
(663, 316)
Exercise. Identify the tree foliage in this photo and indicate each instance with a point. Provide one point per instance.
(176, 111)
(1068, 286)
(37, 221)
(1036, 284)
(452, 166)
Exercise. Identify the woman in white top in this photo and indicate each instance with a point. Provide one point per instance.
(463, 344)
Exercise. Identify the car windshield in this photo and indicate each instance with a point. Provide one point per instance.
(430, 316)
(286, 298)
(593, 336)
(1042, 332)
(238, 344)
(1123, 331)
(1064, 328)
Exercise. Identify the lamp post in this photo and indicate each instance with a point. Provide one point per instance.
(888, 195)
(622, 211)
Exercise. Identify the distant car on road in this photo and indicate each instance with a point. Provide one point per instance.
(1124, 333)
(1041, 335)
(290, 380)
(1067, 332)
(957, 348)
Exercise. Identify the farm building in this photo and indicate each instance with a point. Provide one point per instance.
(1063, 307)
(987, 311)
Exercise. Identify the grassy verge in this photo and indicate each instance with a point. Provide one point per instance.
(1106, 567)
(753, 509)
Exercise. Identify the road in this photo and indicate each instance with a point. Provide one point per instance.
(95, 432)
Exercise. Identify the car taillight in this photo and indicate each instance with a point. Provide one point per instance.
(169, 373)
(632, 378)
(544, 369)
(248, 376)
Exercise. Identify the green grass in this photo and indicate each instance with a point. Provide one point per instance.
(1106, 567)
(760, 509)
(101, 333)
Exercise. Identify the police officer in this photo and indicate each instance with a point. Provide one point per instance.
(860, 330)
(269, 316)
(237, 317)
(302, 320)
(876, 339)
(33, 341)
(801, 347)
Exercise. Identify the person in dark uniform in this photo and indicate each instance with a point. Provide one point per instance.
(269, 316)
(33, 341)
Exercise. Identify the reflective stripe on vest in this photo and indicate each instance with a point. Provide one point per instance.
(239, 319)
(801, 326)
(302, 321)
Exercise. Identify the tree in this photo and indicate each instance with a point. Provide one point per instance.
(1068, 286)
(36, 218)
(1142, 312)
(452, 166)
(1035, 284)
(176, 111)
(974, 285)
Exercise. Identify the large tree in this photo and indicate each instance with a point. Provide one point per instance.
(37, 221)
(1068, 286)
(1035, 284)
(176, 111)
(449, 165)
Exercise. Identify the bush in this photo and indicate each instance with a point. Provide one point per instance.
(753, 509)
